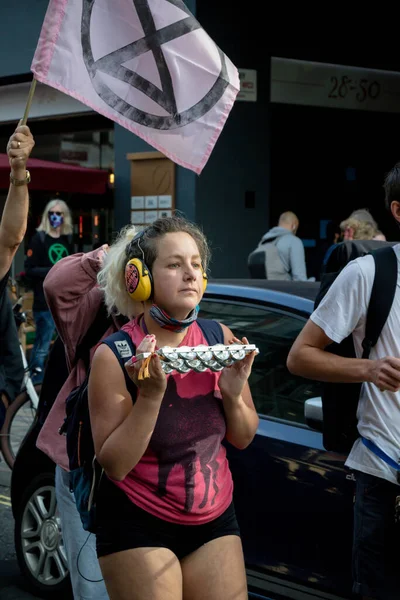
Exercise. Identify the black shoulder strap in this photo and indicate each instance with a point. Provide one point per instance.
(42, 235)
(268, 240)
(382, 295)
(93, 335)
(118, 349)
(212, 331)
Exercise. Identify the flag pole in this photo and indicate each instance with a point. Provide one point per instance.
(29, 102)
(23, 122)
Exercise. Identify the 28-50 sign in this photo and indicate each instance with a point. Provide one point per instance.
(363, 89)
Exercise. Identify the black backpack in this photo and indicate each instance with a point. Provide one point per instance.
(340, 400)
(56, 371)
(55, 375)
(85, 471)
(265, 263)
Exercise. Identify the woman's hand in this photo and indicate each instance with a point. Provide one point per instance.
(234, 378)
(152, 387)
(19, 148)
(102, 254)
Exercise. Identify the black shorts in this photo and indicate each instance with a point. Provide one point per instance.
(122, 525)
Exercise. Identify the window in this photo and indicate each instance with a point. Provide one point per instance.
(276, 392)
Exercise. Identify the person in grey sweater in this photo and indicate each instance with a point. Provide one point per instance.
(284, 251)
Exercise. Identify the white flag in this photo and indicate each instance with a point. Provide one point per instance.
(147, 65)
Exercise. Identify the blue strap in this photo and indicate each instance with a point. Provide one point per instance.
(212, 331)
(376, 450)
(327, 254)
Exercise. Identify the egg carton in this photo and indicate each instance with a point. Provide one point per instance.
(199, 358)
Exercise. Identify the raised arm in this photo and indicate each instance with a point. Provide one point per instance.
(73, 296)
(15, 214)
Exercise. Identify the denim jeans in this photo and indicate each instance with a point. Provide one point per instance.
(376, 538)
(80, 545)
(43, 335)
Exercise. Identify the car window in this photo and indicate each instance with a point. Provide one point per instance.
(276, 392)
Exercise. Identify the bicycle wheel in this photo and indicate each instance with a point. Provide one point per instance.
(19, 418)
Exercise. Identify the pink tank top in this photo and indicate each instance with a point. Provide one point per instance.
(184, 476)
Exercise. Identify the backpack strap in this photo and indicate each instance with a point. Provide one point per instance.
(121, 345)
(212, 331)
(269, 240)
(382, 295)
(275, 239)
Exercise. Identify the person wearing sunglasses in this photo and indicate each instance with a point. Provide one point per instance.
(51, 242)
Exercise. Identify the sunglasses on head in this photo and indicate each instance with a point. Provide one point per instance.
(55, 212)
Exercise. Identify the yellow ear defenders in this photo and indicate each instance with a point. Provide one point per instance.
(204, 281)
(138, 279)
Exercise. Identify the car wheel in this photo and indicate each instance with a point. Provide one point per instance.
(19, 418)
(38, 540)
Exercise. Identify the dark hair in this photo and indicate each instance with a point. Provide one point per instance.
(392, 185)
(145, 241)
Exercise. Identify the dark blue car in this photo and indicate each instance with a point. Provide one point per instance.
(293, 499)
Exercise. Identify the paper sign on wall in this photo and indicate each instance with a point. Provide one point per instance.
(150, 216)
(137, 217)
(151, 201)
(164, 201)
(164, 213)
(137, 202)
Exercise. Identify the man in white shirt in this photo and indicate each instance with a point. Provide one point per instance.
(341, 312)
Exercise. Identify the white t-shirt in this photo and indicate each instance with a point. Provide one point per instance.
(343, 311)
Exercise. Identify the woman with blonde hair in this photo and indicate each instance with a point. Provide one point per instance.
(51, 242)
(62, 225)
(166, 524)
(357, 229)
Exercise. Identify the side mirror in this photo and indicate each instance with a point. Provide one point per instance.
(313, 413)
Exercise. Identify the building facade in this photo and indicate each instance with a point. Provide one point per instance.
(314, 132)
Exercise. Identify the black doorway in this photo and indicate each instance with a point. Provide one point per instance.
(326, 163)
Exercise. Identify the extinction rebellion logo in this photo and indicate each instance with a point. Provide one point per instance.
(57, 252)
(154, 40)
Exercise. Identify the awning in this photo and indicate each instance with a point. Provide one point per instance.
(58, 177)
